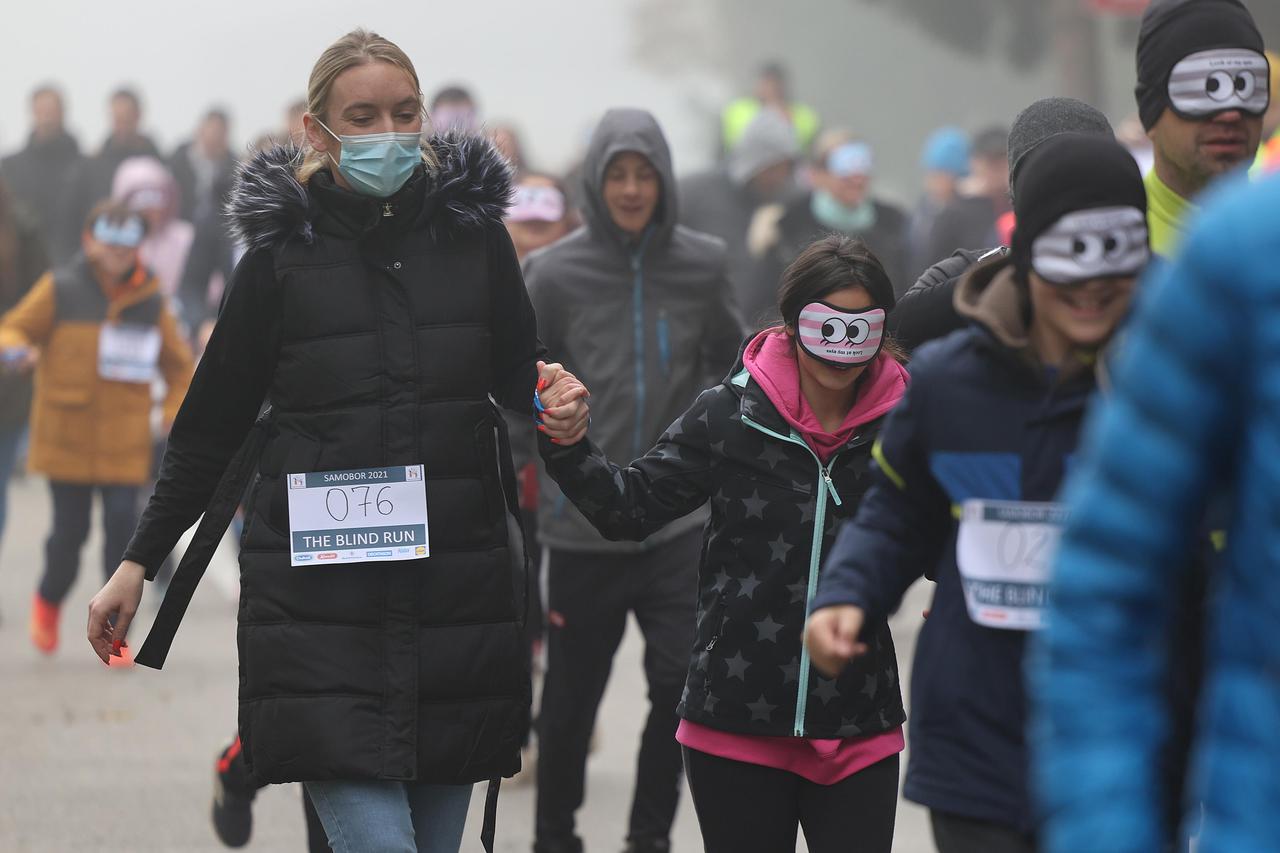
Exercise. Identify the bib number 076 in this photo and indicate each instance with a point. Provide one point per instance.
(339, 504)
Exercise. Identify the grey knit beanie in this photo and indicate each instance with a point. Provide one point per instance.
(769, 139)
(1047, 118)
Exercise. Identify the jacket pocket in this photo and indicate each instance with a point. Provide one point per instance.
(488, 450)
(715, 620)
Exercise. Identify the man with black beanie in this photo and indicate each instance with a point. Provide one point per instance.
(1203, 87)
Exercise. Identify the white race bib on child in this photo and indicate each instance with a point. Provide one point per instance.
(128, 353)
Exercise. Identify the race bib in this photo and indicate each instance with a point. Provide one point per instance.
(1005, 552)
(362, 516)
(128, 353)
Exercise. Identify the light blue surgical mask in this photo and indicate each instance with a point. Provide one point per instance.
(377, 164)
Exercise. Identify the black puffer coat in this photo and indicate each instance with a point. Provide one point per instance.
(774, 513)
(381, 332)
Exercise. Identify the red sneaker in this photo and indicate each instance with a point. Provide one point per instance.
(44, 625)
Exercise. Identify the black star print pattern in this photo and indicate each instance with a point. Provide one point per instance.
(744, 665)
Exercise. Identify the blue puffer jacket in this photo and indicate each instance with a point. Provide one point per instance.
(982, 420)
(1196, 409)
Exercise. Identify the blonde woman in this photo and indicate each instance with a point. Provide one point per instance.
(380, 309)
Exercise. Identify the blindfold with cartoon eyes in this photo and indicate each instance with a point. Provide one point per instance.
(839, 337)
(1213, 81)
(1104, 242)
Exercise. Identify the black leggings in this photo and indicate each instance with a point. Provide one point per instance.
(744, 808)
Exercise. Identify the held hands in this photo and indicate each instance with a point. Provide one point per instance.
(832, 637)
(118, 599)
(565, 414)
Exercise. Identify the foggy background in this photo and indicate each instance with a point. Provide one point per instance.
(892, 70)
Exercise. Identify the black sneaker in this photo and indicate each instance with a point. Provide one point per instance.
(569, 845)
(232, 798)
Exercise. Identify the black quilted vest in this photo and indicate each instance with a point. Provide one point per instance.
(409, 670)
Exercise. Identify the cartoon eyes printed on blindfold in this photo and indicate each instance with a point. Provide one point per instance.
(1213, 81)
(839, 337)
(1104, 242)
(127, 234)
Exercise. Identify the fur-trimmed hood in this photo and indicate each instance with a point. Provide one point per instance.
(268, 205)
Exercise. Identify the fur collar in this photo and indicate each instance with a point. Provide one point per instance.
(268, 206)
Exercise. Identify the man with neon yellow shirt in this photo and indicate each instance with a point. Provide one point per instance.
(1203, 87)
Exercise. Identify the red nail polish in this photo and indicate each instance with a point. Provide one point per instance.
(542, 384)
(115, 647)
(555, 441)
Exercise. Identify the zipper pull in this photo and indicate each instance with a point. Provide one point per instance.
(711, 645)
(831, 486)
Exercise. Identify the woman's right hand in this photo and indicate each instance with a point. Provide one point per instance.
(116, 602)
(832, 637)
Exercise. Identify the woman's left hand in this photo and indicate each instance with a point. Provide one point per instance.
(565, 414)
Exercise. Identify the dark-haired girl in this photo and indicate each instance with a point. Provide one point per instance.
(780, 450)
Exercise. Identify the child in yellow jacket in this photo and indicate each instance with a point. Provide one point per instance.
(98, 333)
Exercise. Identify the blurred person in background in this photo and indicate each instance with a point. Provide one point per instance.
(644, 307)
(454, 109)
(772, 92)
(1186, 423)
(99, 332)
(506, 138)
(203, 168)
(1269, 151)
(22, 261)
(969, 464)
(969, 221)
(1203, 88)
(945, 162)
(723, 201)
(39, 175)
(842, 202)
(146, 186)
(928, 311)
(96, 175)
(539, 216)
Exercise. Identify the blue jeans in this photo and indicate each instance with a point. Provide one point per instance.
(391, 817)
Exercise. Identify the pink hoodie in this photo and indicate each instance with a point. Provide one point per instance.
(770, 358)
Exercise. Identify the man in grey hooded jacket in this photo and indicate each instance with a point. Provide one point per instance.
(641, 310)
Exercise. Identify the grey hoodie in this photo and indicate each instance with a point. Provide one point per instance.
(645, 326)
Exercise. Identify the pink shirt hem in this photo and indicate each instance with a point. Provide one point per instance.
(824, 762)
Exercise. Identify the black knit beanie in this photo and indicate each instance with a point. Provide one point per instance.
(1070, 173)
(1172, 30)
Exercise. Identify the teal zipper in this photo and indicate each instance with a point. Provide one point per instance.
(825, 487)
